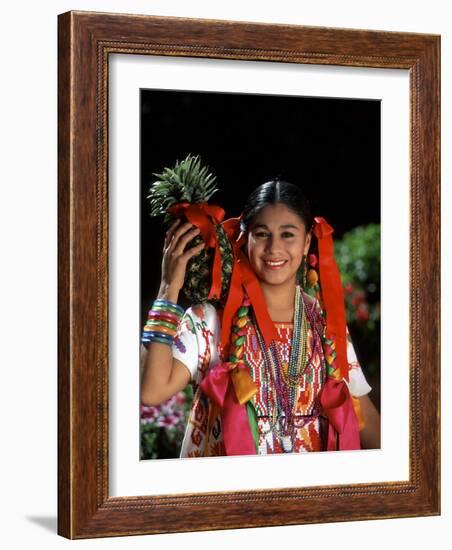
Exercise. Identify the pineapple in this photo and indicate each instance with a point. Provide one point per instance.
(189, 181)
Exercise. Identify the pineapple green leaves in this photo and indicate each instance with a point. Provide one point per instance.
(188, 181)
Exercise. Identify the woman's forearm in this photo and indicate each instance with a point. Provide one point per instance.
(156, 375)
(162, 375)
(158, 360)
(370, 434)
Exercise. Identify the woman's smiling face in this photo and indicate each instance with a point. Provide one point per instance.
(277, 241)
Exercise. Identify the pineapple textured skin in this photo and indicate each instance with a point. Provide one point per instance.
(198, 277)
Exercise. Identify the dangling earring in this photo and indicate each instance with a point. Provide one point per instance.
(302, 271)
(313, 277)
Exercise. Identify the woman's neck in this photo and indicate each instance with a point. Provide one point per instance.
(280, 301)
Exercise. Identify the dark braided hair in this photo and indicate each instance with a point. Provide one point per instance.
(273, 192)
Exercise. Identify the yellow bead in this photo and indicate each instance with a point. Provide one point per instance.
(241, 322)
(312, 277)
(239, 352)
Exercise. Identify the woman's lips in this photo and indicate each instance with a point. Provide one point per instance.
(274, 264)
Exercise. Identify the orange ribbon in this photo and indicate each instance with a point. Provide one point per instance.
(332, 294)
(205, 217)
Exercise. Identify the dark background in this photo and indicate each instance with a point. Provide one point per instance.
(329, 146)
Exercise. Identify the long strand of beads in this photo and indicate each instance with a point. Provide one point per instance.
(318, 338)
(297, 362)
(284, 397)
(283, 392)
(266, 377)
(297, 355)
(296, 366)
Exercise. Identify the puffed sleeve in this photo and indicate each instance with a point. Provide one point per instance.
(195, 343)
(185, 343)
(357, 383)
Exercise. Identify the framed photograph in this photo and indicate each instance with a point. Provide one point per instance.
(247, 139)
(354, 115)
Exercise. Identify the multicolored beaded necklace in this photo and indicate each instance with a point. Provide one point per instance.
(285, 382)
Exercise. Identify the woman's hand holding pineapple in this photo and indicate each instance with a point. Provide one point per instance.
(162, 375)
(175, 258)
(188, 181)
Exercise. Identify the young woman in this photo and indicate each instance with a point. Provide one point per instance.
(284, 411)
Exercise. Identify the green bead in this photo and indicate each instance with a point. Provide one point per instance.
(242, 312)
(240, 341)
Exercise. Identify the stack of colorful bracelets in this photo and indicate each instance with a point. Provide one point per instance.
(161, 326)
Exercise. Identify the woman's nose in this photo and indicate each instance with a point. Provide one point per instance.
(272, 244)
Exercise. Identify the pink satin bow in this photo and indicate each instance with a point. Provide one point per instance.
(217, 384)
(343, 430)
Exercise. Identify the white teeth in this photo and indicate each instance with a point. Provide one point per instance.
(275, 263)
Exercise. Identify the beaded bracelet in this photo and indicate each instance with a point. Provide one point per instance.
(163, 320)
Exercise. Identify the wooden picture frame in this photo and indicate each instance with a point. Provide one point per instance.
(85, 41)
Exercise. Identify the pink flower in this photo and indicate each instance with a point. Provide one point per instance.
(358, 298)
(168, 421)
(149, 414)
(170, 402)
(362, 312)
(348, 288)
(312, 260)
(180, 398)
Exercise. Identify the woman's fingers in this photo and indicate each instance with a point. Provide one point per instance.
(182, 242)
(178, 232)
(175, 232)
(170, 232)
(192, 252)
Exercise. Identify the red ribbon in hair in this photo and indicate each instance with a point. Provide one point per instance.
(243, 279)
(205, 217)
(332, 294)
(335, 398)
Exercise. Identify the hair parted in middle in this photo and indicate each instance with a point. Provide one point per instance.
(273, 192)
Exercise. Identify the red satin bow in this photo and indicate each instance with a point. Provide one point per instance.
(332, 294)
(243, 279)
(205, 217)
(337, 404)
(237, 436)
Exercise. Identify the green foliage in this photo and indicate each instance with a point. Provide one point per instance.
(358, 257)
